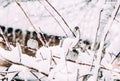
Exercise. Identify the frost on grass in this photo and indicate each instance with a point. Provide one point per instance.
(91, 55)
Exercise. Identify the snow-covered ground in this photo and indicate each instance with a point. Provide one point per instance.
(76, 67)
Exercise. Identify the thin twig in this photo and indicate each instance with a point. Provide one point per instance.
(3, 72)
(87, 52)
(54, 61)
(15, 75)
(11, 62)
(35, 76)
(7, 43)
(41, 56)
(84, 76)
(77, 78)
(30, 22)
(50, 60)
(60, 16)
(84, 64)
(115, 57)
(54, 18)
(96, 35)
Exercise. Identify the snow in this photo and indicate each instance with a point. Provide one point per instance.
(32, 44)
(76, 13)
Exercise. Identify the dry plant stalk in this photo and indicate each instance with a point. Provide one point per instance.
(105, 32)
(53, 17)
(96, 35)
(85, 64)
(29, 67)
(37, 31)
(60, 16)
(7, 43)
